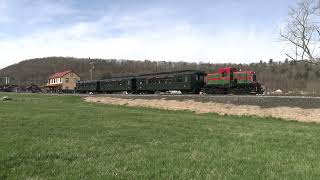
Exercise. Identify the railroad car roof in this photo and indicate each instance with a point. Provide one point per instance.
(118, 78)
(149, 74)
(173, 72)
(87, 81)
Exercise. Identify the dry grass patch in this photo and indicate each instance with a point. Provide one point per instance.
(288, 113)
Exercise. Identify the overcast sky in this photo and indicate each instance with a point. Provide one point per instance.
(190, 30)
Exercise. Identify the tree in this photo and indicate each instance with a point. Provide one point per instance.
(302, 31)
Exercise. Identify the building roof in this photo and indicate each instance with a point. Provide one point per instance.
(60, 74)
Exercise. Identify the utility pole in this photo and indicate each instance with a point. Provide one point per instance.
(7, 80)
(91, 68)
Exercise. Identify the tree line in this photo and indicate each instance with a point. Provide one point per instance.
(286, 75)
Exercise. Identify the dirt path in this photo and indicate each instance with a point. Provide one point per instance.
(288, 113)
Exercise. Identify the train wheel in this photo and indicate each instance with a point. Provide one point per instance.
(225, 91)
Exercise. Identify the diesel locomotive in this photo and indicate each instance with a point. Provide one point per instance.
(225, 81)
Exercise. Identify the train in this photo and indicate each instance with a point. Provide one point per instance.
(225, 81)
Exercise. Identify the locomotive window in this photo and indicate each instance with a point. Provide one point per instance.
(186, 78)
(224, 74)
(179, 79)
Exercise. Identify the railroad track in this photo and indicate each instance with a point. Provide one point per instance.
(304, 102)
(193, 95)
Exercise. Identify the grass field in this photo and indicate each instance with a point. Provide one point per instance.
(62, 137)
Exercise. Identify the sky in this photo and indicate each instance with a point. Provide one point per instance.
(216, 31)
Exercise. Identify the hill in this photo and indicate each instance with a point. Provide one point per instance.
(287, 75)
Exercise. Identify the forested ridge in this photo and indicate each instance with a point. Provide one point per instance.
(286, 75)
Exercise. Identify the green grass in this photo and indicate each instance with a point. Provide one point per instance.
(62, 137)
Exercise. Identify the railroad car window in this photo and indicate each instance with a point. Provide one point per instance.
(186, 78)
(201, 77)
(129, 82)
(179, 79)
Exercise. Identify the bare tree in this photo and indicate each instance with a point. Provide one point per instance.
(302, 31)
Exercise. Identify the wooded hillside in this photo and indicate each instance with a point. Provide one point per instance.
(287, 75)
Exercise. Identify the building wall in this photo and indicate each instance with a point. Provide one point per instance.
(69, 81)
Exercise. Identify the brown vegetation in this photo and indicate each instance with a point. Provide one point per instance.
(288, 113)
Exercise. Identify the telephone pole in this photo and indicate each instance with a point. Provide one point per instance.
(6, 80)
(91, 68)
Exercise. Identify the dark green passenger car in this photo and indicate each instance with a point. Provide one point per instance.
(87, 86)
(189, 81)
(118, 84)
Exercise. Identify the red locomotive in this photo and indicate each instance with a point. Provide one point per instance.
(232, 81)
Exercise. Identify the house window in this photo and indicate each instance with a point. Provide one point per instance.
(75, 80)
(67, 80)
